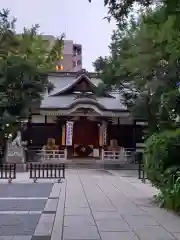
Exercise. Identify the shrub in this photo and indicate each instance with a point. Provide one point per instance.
(170, 192)
(162, 152)
(162, 164)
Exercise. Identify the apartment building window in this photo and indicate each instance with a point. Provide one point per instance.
(76, 50)
(60, 67)
(79, 62)
(79, 51)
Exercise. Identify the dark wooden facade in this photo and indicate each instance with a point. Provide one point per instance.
(84, 132)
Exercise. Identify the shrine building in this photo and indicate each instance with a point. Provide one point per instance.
(82, 121)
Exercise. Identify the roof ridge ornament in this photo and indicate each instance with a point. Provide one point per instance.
(83, 71)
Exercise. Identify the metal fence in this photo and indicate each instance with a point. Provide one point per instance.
(47, 171)
(8, 171)
(141, 168)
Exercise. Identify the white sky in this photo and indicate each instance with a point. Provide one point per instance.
(81, 21)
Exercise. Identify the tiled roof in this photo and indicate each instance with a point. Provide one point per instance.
(64, 101)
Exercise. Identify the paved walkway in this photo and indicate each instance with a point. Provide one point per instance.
(97, 205)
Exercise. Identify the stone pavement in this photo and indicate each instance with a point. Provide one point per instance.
(88, 205)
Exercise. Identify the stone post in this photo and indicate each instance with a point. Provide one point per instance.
(102, 154)
(15, 152)
(65, 153)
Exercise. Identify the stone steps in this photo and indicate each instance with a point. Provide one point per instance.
(93, 164)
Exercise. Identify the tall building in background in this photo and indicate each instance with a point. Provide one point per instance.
(71, 59)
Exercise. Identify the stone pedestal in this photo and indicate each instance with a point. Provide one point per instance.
(15, 154)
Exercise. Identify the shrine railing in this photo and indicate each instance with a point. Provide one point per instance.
(130, 155)
(113, 156)
(39, 155)
(123, 156)
(46, 155)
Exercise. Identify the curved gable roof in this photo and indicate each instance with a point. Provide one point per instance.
(74, 82)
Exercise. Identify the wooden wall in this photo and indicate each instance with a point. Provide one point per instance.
(38, 133)
(123, 133)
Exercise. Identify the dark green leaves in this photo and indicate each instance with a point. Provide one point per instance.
(25, 60)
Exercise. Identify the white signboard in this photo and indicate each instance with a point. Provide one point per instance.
(69, 133)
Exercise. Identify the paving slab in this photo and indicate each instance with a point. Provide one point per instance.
(140, 221)
(106, 215)
(17, 225)
(177, 235)
(78, 221)
(75, 211)
(22, 205)
(25, 190)
(153, 232)
(83, 232)
(173, 227)
(113, 225)
(118, 236)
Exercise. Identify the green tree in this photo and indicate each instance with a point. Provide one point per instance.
(144, 65)
(25, 60)
(120, 9)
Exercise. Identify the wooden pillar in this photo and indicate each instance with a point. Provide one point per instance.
(45, 119)
(63, 140)
(100, 135)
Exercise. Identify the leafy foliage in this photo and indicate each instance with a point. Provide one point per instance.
(144, 66)
(121, 9)
(162, 165)
(25, 60)
(161, 153)
(169, 196)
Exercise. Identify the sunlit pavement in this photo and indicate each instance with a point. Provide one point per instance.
(89, 204)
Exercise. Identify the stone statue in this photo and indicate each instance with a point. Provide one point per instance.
(17, 141)
(15, 151)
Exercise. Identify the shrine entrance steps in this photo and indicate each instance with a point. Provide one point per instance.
(83, 163)
(92, 163)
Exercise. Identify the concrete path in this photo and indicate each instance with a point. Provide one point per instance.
(92, 205)
(100, 205)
